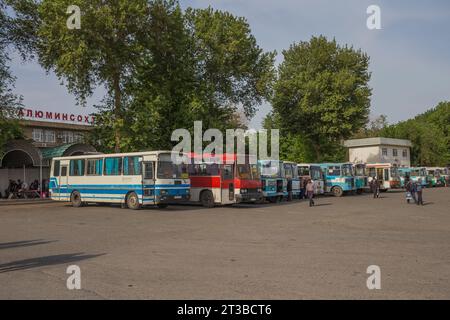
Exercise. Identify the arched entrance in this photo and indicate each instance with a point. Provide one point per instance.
(17, 159)
(20, 160)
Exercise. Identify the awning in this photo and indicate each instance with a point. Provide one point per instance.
(67, 150)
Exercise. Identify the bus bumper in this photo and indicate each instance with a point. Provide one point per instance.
(172, 198)
(249, 197)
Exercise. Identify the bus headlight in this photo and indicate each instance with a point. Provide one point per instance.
(259, 190)
(244, 190)
(163, 192)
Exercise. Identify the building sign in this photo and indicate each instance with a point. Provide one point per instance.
(56, 116)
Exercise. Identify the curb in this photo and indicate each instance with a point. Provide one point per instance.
(23, 202)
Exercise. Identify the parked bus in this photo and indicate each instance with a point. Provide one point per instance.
(361, 181)
(436, 177)
(293, 180)
(130, 179)
(220, 180)
(339, 178)
(274, 183)
(445, 174)
(414, 174)
(387, 174)
(314, 172)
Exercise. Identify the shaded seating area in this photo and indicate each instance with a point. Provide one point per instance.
(25, 169)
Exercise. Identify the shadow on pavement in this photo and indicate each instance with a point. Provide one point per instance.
(45, 261)
(322, 204)
(25, 243)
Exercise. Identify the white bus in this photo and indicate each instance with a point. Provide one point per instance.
(130, 179)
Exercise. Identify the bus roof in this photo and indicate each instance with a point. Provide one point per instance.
(334, 163)
(107, 155)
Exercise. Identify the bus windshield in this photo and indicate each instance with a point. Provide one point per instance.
(360, 170)
(247, 171)
(316, 173)
(394, 172)
(169, 170)
(347, 170)
(416, 173)
(270, 168)
(303, 171)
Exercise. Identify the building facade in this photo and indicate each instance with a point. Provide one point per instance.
(45, 137)
(380, 150)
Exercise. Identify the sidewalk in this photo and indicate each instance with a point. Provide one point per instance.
(11, 202)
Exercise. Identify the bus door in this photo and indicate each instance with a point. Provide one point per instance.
(148, 182)
(227, 184)
(380, 174)
(63, 179)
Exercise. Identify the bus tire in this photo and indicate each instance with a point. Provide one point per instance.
(272, 199)
(359, 191)
(337, 191)
(290, 196)
(162, 205)
(133, 201)
(75, 199)
(207, 199)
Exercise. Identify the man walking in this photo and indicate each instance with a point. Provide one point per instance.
(419, 189)
(375, 187)
(310, 192)
(413, 191)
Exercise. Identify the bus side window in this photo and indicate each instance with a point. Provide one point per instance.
(56, 168)
(227, 172)
(148, 170)
(63, 171)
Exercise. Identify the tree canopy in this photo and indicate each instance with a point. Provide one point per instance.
(9, 101)
(321, 95)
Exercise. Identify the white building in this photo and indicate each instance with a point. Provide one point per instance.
(380, 150)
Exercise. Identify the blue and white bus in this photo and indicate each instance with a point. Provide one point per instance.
(274, 182)
(130, 179)
(339, 178)
(293, 180)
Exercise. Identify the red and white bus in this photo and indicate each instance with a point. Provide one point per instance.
(386, 173)
(224, 182)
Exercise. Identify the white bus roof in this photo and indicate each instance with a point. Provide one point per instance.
(108, 155)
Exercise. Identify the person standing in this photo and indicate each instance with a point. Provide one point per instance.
(413, 191)
(419, 189)
(408, 187)
(310, 192)
(375, 187)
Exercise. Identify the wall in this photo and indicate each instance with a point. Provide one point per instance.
(373, 154)
(365, 154)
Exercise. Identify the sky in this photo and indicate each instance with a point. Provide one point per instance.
(409, 55)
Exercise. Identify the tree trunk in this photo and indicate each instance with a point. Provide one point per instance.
(117, 113)
(316, 147)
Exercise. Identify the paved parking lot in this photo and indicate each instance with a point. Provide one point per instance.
(287, 251)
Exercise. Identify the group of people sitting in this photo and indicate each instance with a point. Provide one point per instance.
(21, 189)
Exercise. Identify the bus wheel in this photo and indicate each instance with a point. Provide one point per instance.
(337, 191)
(207, 199)
(359, 191)
(75, 198)
(290, 196)
(133, 201)
(162, 205)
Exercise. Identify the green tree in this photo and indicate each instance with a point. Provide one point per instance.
(197, 65)
(103, 52)
(9, 101)
(322, 94)
(429, 133)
